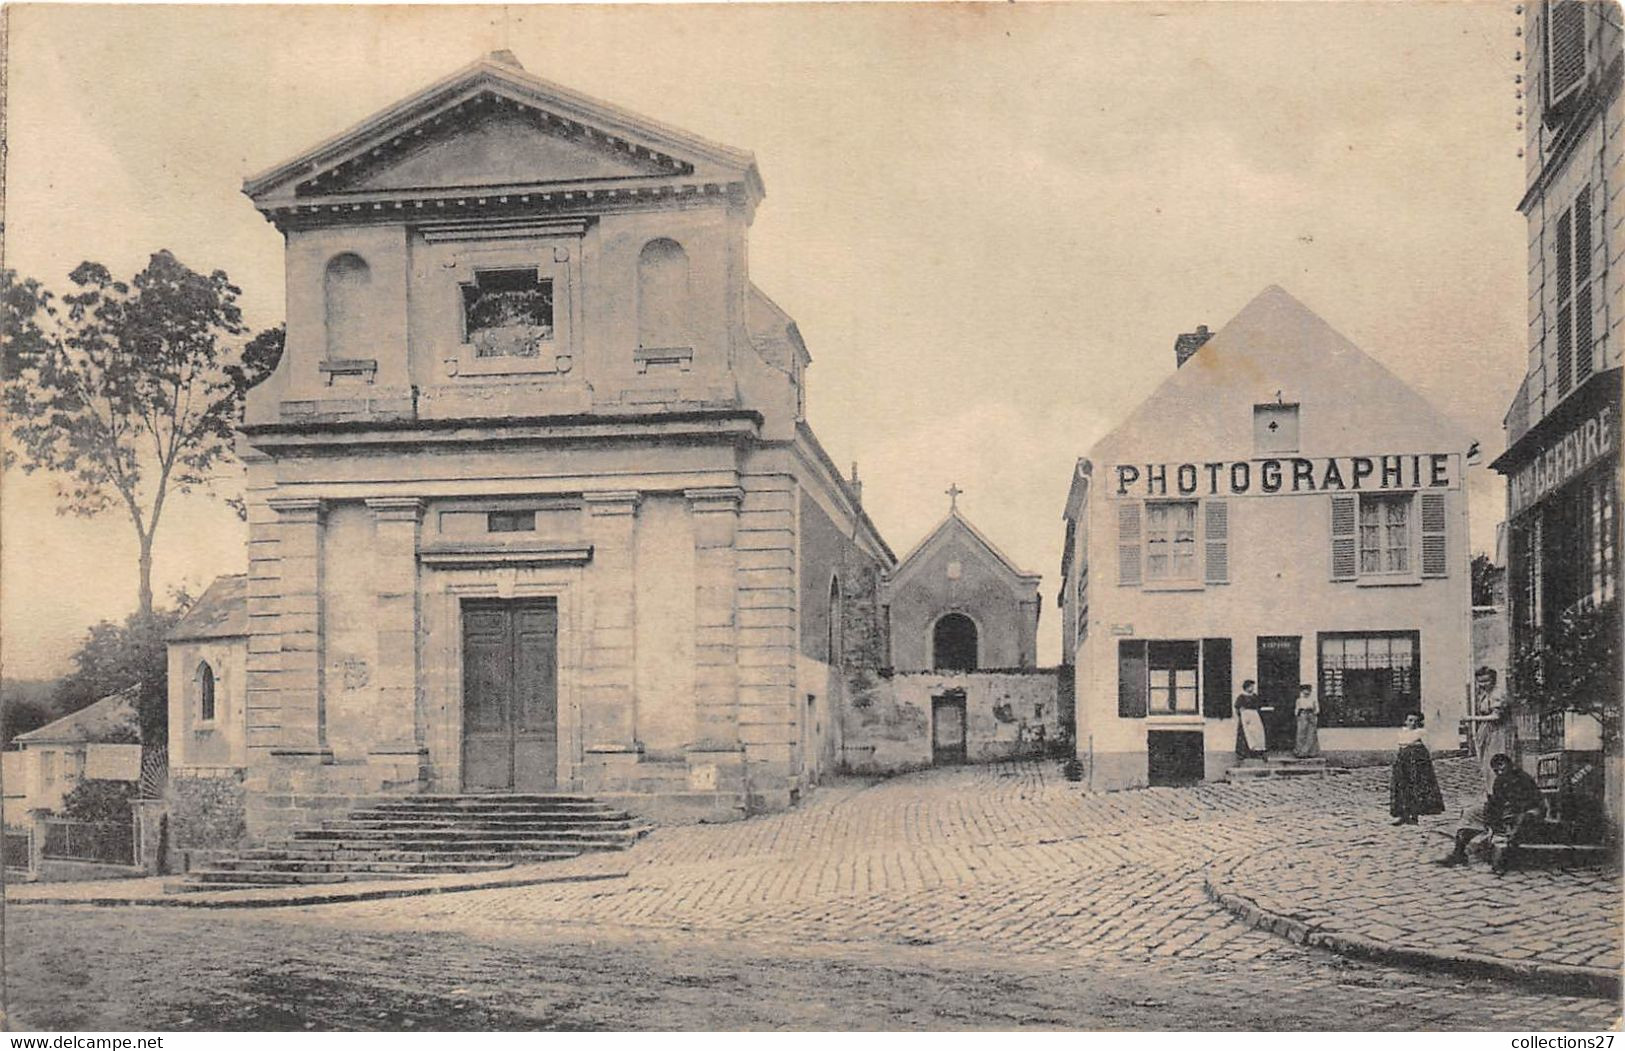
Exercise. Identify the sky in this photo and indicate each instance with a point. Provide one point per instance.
(989, 221)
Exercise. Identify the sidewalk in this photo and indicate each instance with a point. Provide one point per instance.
(1350, 882)
(150, 891)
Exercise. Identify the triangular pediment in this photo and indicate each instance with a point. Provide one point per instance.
(957, 534)
(495, 126)
(504, 147)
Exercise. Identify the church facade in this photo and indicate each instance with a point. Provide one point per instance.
(533, 502)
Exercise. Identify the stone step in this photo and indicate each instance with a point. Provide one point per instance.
(418, 836)
(357, 865)
(454, 832)
(386, 853)
(267, 877)
(491, 817)
(515, 826)
(504, 846)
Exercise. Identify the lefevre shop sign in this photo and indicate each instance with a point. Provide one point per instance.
(1583, 445)
(1288, 475)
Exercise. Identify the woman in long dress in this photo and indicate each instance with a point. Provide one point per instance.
(1307, 711)
(1413, 789)
(1250, 740)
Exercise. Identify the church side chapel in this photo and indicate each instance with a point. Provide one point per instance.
(962, 684)
(534, 508)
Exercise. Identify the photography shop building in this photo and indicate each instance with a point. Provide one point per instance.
(1255, 518)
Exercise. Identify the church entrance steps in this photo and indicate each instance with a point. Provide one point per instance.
(1278, 767)
(421, 836)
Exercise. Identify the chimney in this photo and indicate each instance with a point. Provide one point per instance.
(855, 485)
(1189, 343)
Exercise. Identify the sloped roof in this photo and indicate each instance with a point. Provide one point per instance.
(499, 75)
(956, 522)
(111, 720)
(1273, 341)
(221, 612)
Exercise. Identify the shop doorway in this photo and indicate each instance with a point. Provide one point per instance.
(1278, 686)
(1174, 757)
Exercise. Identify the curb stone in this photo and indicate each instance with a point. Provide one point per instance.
(329, 897)
(1569, 979)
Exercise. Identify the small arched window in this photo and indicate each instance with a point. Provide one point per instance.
(663, 296)
(205, 693)
(345, 292)
(953, 643)
(833, 645)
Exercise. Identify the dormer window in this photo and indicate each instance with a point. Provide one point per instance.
(507, 313)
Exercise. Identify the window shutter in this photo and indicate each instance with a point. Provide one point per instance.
(1128, 543)
(1345, 536)
(1435, 557)
(1216, 678)
(1565, 49)
(1582, 286)
(1131, 689)
(1216, 524)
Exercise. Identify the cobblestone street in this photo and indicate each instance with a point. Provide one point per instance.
(1089, 909)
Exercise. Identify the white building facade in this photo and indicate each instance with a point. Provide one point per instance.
(1282, 509)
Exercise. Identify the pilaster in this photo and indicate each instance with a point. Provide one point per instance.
(716, 674)
(398, 736)
(299, 678)
(608, 700)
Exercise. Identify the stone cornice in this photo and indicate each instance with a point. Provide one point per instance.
(395, 508)
(464, 556)
(604, 502)
(297, 508)
(721, 425)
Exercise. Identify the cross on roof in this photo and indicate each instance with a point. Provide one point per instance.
(953, 492)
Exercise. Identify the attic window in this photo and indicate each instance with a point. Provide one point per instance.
(507, 313)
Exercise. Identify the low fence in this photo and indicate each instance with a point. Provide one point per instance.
(104, 842)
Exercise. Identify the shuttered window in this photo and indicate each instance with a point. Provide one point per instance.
(1216, 541)
(1216, 678)
(1435, 558)
(1565, 51)
(1345, 563)
(1131, 679)
(1128, 543)
(1565, 303)
(1582, 286)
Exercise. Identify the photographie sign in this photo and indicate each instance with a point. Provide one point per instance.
(1288, 475)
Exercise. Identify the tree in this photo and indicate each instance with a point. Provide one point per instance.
(129, 391)
(1486, 580)
(114, 657)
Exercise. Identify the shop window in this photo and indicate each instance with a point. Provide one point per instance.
(507, 313)
(1369, 678)
(953, 643)
(1170, 540)
(205, 693)
(510, 522)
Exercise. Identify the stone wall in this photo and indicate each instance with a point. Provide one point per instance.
(886, 724)
(207, 810)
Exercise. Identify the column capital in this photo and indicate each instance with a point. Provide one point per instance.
(716, 498)
(396, 508)
(612, 501)
(298, 508)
